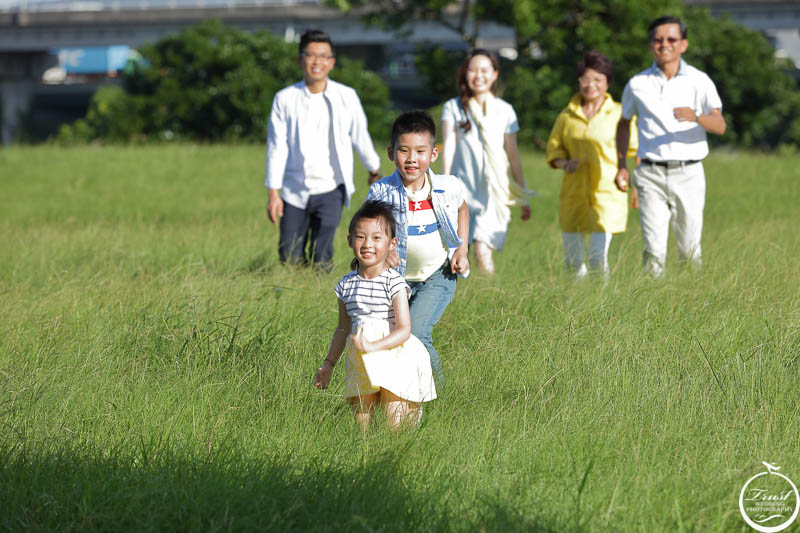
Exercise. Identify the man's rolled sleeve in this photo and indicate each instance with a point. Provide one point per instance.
(711, 99)
(628, 102)
(277, 146)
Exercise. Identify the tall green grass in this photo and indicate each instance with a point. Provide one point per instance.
(156, 363)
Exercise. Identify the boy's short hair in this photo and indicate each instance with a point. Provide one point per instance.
(666, 19)
(314, 36)
(413, 122)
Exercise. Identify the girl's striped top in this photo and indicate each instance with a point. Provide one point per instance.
(370, 299)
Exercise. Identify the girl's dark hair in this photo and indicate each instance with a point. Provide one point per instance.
(378, 210)
(596, 61)
(464, 92)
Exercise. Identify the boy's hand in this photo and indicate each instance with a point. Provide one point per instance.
(460, 262)
(361, 344)
(323, 377)
(392, 260)
(526, 212)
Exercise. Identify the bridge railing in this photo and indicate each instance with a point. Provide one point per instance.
(51, 6)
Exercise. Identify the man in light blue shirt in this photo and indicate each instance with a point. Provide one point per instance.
(314, 125)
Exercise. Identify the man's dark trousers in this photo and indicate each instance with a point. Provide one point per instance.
(320, 218)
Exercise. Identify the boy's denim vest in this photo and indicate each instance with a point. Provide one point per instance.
(447, 195)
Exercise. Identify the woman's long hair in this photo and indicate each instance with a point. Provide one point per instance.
(464, 92)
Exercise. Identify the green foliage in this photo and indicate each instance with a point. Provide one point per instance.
(761, 102)
(439, 68)
(461, 17)
(112, 115)
(372, 91)
(210, 82)
(538, 96)
(553, 37)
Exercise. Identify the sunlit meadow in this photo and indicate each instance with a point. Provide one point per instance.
(156, 363)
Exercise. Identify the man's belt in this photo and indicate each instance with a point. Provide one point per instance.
(670, 164)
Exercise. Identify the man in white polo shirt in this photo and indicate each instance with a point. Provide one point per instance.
(313, 127)
(676, 104)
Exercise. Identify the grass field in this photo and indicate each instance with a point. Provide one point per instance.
(156, 363)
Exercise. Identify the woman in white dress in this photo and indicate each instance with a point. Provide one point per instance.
(479, 145)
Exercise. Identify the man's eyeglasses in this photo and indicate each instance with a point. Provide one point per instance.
(662, 40)
(313, 57)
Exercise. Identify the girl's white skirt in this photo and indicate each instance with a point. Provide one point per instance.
(404, 370)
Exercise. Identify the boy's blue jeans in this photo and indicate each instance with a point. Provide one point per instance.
(428, 301)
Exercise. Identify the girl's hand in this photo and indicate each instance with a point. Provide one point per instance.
(323, 377)
(526, 212)
(361, 344)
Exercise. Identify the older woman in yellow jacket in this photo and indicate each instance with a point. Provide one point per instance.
(583, 144)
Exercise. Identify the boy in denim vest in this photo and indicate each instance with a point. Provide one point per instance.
(432, 225)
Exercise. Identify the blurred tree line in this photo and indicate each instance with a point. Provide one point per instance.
(211, 82)
(761, 100)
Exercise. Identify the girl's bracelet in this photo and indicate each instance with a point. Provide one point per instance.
(329, 362)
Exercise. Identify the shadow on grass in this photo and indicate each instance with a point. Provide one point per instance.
(258, 263)
(160, 490)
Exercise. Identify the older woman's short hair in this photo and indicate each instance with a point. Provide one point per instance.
(596, 61)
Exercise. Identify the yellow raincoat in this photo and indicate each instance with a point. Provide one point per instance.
(589, 199)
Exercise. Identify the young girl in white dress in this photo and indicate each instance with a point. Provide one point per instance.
(385, 364)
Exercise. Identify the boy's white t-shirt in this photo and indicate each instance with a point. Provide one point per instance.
(319, 173)
(426, 250)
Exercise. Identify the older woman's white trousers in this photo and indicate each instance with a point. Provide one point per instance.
(574, 251)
